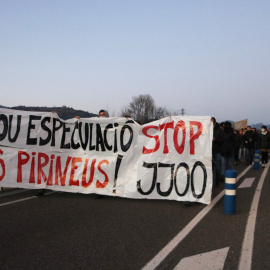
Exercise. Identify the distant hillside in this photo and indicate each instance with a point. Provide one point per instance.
(259, 125)
(63, 112)
(2, 106)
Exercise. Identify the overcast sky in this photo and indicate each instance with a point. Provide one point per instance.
(208, 57)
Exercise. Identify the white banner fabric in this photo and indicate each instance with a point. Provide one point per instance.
(170, 158)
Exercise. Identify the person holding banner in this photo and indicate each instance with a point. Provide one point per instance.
(227, 150)
(264, 144)
(103, 113)
(218, 139)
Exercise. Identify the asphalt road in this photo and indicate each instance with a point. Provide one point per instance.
(78, 231)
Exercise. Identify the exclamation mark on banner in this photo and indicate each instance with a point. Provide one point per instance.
(117, 166)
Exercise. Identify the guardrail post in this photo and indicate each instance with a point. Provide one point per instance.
(256, 165)
(230, 192)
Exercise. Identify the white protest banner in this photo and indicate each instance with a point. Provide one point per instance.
(170, 158)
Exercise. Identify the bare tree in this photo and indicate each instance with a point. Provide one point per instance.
(161, 112)
(142, 108)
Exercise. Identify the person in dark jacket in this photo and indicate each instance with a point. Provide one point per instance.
(218, 139)
(249, 144)
(256, 138)
(241, 150)
(264, 145)
(238, 142)
(227, 149)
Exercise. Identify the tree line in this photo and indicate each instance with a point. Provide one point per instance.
(143, 109)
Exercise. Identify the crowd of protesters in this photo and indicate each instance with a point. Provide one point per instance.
(232, 146)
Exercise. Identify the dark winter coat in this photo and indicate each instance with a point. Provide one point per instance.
(218, 139)
(249, 139)
(229, 143)
(238, 140)
(264, 141)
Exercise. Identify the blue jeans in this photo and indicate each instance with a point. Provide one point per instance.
(249, 154)
(226, 160)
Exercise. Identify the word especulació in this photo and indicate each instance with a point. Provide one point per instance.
(88, 136)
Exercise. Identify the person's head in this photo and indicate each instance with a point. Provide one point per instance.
(263, 128)
(227, 126)
(103, 113)
(213, 119)
(248, 128)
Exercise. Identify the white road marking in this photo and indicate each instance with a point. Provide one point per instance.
(247, 183)
(209, 260)
(12, 192)
(182, 234)
(21, 200)
(246, 254)
(25, 199)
